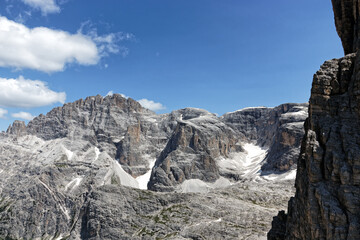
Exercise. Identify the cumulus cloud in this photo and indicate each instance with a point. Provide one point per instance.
(3, 113)
(50, 50)
(23, 115)
(149, 104)
(22, 92)
(146, 103)
(45, 6)
(42, 48)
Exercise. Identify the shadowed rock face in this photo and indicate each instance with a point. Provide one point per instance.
(347, 23)
(327, 200)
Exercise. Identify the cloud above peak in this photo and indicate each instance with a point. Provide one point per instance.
(45, 6)
(146, 103)
(23, 115)
(149, 104)
(27, 93)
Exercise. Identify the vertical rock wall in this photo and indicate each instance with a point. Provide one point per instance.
(327, 200)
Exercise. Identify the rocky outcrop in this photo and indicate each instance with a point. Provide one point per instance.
(191, 152)
(287, 129)
(74, 173)
(347, 23)
(327, 200)
(278, 129)
(119, 126)
(18, 128)
(186, 143)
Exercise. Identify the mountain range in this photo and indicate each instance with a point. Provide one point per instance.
(108, 168)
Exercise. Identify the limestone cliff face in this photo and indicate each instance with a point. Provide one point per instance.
(119, 126)
(327, 200)
(18, 128)
(280, 129)
(347, 23)
(198, 139)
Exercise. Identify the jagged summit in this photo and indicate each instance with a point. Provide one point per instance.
(77, 169)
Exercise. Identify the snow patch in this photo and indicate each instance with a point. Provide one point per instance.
(73, 184)
(59, 237)
(247, 108)
(143, 180)
(291, 175)
(293, 114)
(63, 209)
(246, 164)
(97, 153)
(125, 178)
(69, 154)
(197, 185)
(117, 140)
(209, 222)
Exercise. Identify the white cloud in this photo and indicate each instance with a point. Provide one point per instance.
(23, 115)
(22, 92)
(107, 43)
(42, 48)
(3, 112)
(45, 6)
(149, 104)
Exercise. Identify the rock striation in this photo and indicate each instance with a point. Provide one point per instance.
(191, 152)
(278, 129)
(74, 173)
(327, 200)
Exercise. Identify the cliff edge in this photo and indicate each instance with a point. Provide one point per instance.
(327, 200)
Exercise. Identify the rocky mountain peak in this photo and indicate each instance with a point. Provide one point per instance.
(18, 128)
(75, 170)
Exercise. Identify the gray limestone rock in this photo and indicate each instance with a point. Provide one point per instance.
(74, 172)
(278, 129)
(327, 200)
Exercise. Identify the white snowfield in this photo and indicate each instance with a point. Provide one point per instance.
(248, 108)
(143, 180)
(125, 178)
(246, 164)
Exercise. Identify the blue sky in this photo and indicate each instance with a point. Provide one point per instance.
(220, 55)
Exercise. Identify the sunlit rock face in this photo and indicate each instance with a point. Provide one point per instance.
(76, 172)
(327, 200)
(279, 129)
